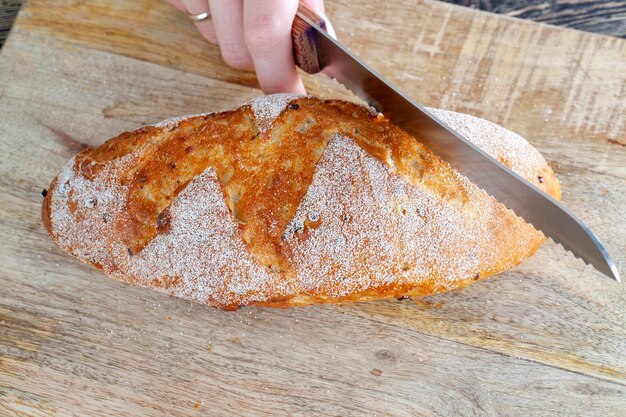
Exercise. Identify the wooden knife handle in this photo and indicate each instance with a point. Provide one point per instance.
(305, 40)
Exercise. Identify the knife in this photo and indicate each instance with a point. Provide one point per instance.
(316, 51)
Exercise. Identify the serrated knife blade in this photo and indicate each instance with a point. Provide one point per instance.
(320, 52)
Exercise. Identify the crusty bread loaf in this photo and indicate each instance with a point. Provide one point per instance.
(290, 201)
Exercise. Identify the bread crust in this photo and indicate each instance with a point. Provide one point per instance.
(289, 201)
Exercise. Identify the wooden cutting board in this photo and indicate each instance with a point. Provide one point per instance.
(546, 338)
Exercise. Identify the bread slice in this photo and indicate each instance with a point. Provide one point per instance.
(289, 201)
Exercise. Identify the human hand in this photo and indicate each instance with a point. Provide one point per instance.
(254, 35)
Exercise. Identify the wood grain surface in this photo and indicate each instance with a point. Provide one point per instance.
(546, 338)
(606, 17)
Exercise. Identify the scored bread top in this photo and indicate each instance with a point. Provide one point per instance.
(287, 201)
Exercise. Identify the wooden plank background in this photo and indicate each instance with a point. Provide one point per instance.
(598, 16)
(546, 338)
(607, 17)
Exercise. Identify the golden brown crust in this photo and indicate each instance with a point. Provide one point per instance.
(287, 202)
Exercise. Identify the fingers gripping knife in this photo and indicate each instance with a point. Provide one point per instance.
(315, 51)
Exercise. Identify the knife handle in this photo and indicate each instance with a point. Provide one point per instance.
(305, 41)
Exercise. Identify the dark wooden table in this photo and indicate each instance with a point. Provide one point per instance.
(607, 17)
(8, 11)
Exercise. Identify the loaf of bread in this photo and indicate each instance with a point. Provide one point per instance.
(289, 201)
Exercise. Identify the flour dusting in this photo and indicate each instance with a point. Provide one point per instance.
(500, 143)
(267, 108)
(203, 257)
(376, 229)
